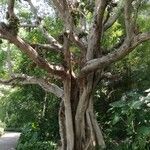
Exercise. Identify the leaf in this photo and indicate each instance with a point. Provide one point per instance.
(116, 119)
(144, 130)
(118, 103)
(136, 104)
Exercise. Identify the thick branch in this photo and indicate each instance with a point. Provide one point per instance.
(32, 53)
(97, 29)
(116, 55)
(114, 17)
(50, 38)
(24, 79)
(111, 21)
(128, 19)
(48, 47)
(75, 39)
(10, 8)
(63, 9)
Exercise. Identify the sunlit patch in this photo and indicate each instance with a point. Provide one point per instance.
(148, 104)
(11, 135)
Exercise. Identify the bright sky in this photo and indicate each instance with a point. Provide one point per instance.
(41, 5)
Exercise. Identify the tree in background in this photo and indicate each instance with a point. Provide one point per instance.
(84, 58)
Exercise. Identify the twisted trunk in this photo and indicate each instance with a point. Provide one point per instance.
(79, 128)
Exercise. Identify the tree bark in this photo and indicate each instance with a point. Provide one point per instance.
(62, 127)
(79, 128)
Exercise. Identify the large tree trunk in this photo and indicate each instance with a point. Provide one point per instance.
(79, 128)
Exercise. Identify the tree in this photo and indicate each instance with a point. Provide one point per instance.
(85, 24)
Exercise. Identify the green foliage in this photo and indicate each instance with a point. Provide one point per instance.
(53, 26)
(116, 33)
(2, 127)
(20, 107)
(128, 123)
(24, 105)
(2, 61)
(37, 146)
(31, 140)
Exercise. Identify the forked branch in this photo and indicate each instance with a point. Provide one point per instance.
(116, 55)
(96, 29)
(115, 15)
(32, 53)
(49, 37)
(22, 79)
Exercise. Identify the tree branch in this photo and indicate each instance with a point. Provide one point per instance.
(128, 19)
(97, 29)
(10, 8)
(32, 53)
(49, 38)
(25, 25)
(47, 47)
(63, 8)
(66, 10)
(114, 17)
(75, 39)
(24, 79)
(116, 55)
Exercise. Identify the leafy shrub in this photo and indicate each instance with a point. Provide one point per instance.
(30, 133)
(37, 146)
(30, 139)
(20, 107)
(128, 125)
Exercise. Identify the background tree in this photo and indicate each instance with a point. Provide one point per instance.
(83, 58)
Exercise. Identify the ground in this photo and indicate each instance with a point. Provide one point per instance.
(9, 140)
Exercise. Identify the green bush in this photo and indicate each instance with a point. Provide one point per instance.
(128, 123)
(47, 145)
(30, 139)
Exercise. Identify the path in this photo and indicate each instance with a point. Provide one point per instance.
(9, 140)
